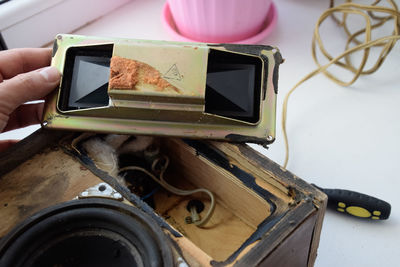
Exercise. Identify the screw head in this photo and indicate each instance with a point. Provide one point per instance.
(188, 220)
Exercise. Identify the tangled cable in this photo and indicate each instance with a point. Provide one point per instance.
(375, 17)
(173, 189)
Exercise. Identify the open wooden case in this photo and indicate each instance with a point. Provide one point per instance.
(264, 215)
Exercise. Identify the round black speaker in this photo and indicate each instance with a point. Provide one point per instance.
(89, 232)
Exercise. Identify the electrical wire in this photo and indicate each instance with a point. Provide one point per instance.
(372, 21)
(150, 194)
(160, 180)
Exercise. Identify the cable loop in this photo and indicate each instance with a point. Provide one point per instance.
(375, 17)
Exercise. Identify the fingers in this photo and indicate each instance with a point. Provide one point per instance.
(16, 61)
(25, 87)
(24, 115)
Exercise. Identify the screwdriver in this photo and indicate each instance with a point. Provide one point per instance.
(356, 204)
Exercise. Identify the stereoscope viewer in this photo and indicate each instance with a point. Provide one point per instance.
(142, 161)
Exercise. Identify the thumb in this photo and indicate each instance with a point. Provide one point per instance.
(25, 87)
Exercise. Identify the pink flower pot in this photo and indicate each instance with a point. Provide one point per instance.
(217, 21)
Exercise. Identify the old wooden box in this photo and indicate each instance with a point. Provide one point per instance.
(264, 215)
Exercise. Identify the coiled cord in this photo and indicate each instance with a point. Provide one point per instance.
(372, 21)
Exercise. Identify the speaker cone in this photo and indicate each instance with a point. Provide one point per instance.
(88, 232)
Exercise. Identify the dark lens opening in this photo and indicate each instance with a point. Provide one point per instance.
(85, 77)
(233, 87)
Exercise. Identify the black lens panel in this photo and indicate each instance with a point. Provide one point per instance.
(233, 86)
(85, 77)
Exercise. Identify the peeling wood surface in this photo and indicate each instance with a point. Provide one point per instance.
(298, 242)
(48, 178)
(27, 148)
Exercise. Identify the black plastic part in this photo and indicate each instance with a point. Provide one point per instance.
(138, 182)
(3, 1)
(3, 45)
(88, 232)
(346, 201)
(195, 203)
(275, 77)
(85, 77)
(55, 48)
(233, 86)
(238, 138)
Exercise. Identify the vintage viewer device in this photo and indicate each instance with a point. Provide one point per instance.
(139, 196)
(209, 91)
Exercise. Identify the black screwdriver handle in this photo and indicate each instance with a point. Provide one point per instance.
(357, 204)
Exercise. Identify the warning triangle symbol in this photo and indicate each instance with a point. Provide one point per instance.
(173, 73)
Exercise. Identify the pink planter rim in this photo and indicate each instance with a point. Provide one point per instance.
(269, 25)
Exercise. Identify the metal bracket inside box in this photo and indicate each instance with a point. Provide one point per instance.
(194, 90)
(102, 190)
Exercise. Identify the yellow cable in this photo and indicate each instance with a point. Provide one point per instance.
(372, 21)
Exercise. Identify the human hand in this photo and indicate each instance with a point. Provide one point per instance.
(24, 76)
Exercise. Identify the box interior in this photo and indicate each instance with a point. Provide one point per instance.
(238, 211)
(240, 207)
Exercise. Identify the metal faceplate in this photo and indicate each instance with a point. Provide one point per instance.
(179, 112)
